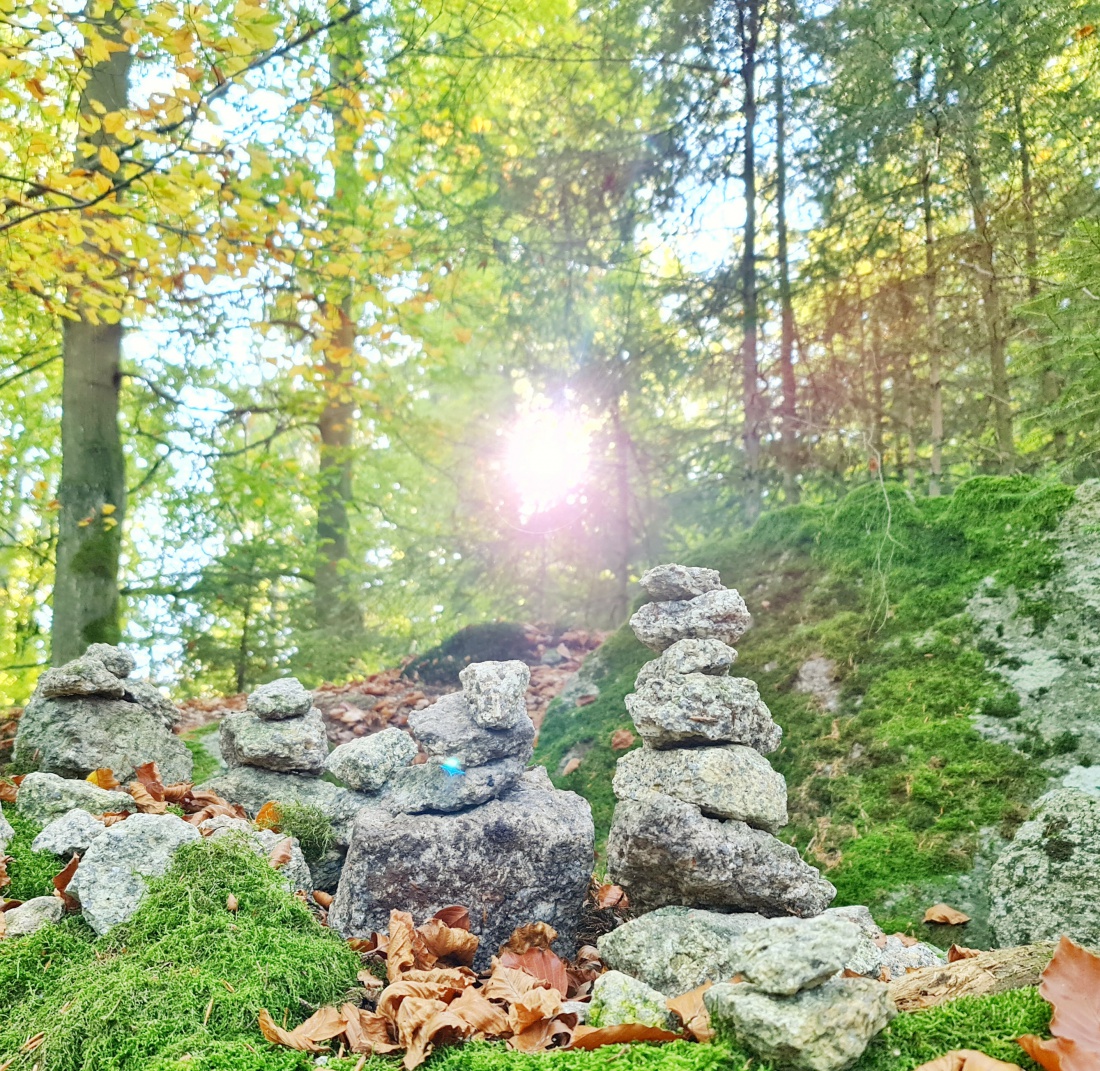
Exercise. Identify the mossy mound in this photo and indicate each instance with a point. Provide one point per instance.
(494, 641)
(887, 795)
(31, 873)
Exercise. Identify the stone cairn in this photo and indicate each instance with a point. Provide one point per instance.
(698, 804)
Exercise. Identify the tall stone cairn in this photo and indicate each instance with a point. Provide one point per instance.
(698, 803)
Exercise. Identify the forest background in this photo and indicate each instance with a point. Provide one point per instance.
(326, 329)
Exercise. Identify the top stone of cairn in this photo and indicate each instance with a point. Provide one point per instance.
(495, 693)
(281, 699)
(670, 583)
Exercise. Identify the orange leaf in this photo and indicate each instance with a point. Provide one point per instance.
(945, 915)
(113, 817)
(509, 985)
(532, 1007)
(456, 916)
(367, 1031)
(448, 942)
(400, 954)
(269, 816)
(103, 778)
(482, 1014)
(544, 1034)
(7, 792)
(178, 793)
(148, 774)
(593, 1037)
(232, 904)
(61, 883)
(611, 896)
(693, 1013)
(1071, 982)
(323, 898)
(5, 877)
(533, 935)
(957, 952)
(322, 1025)
(621, 739)
(146, 802)
(967, 1060)
(540, 963)
(422, 1023)
(280, 854)
(1059, 1054)
(441, 985)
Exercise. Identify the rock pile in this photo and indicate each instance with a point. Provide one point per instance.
(699, 803)
(468, 826)
(90, 713)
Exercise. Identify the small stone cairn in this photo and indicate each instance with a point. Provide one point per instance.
(699, 804)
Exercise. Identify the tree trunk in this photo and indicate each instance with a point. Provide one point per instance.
(92, 491)
(748, 24)
(789, 405)
(935, 354)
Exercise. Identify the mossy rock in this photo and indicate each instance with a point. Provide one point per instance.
(495, 641)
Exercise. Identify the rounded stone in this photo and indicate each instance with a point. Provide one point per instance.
(666, 583)
(293, 745)
(72, 833)
(85, 675)
(618, 999)
(689, 656)
(715, 615)
(42, 797)
(32, 915)
(283, 698)
(118, 660)
(447, 729)
(366, 763)
(495, 692)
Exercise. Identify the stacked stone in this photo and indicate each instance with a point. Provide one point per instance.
(699, 804)
(279, 730)
(90, 714)
(467, 826)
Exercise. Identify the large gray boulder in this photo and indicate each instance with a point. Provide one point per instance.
(111, 878)
(724, 782)
(284, 698)
(1045, 882)
(152, 700)
(432, 787)
(447, 729)
(526, 857)
(75, 735)
(71, 834)
(689, 656)
(495, 692)
(618, 999)
(822, 1029)
(669, 583)
(677, 949)
(42, 797)
(664, 851)
(714, 615)
(30, 916)
(293, 745)
(7, 834)
(696, 708)
(365, 764)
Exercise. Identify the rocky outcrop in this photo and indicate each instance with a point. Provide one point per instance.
(699, 804)
(89, 714)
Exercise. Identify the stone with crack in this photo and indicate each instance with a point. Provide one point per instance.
(714, 615)
(82, 676)
(293, 745)
(689, 656)
(118, 660)
(670, 583)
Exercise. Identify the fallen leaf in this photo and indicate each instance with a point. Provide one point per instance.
(945, 915)
(269, 816)
(572, 766)
(545, 1034)
(608, 896)
(322, 1025)
(533, 935)
(509, 985)
(323, 898)
(231, 903)
(369, 981)
(1059, 1054)
(540, 963)
(443, 985)
(456, 916)
(367, 1031)
(588, 958)
(481, 1013)
(693, 1012)
(279, 856)
(8, 792)
(905, 939)
(146, 802)
(957, 952)
(967, 1060)
(449, 943)
(593, 1037)
(5, 877)
(148, 775)
(422, 1023)
(400, 953)
(103, 778)
(179, 793)
(621, 739)
(534, 1006)
(61, 883)
(113, 817)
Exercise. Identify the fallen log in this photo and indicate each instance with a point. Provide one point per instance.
(982, 975)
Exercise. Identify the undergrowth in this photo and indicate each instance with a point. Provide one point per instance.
(31, 873)
(892, 789)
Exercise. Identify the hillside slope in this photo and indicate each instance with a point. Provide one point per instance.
(875, 657)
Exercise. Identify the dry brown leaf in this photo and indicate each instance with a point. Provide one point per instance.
(1058, 1054)
(608, 896)
(957, 952)
(448, 942)
(545, 1034)
(444, 988)
(588, 958)
(483, 1015)
(369, 981)
(8, 792)
(540, 963)
(3, 925)
(323, 898)
(279, 856)
(967, 1060)
(5, 877)
(693, 1013)
(532, 1007)
(533, 935)
(61, 883)
(231, 903)
(593, 1037)
(148, 775)
(103, 778)
(179, 793)
(509, 985)
(367, 1031)
(146, 802)
(905, 939)
(422, 1024)
(401, 950)
(621, 739)
(322, 1025)
(269, 816)
(945, 915)
(113, 818)
(456, 916)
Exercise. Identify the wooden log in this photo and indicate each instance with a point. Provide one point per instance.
(989, 972)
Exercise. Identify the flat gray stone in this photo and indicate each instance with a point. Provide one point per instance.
(786, 956)
(42, 797)
(118, 660)
(495, 692)
(689, 656)
(664, 851)
(822, 1029)
(668, 583)
(723, 782)
(715, 615)
(677, 949)
(71, 834)
(447, 729)
(32, 915)
(365, 764)
(74, 736)
(111, 878)
(524, 858)
(1044, 884)
(429, 787)
(283, 698)
(617, 999)
(7, 834)
(293, 745)
(82, 676)
(695, 708)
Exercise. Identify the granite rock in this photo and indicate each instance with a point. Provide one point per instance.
(694, 708)
(430, 787)
(723, 782)
(617, 999)
(111, 878)
(279, 699)
(7, 834)
(495, 692)
(447, 729)
(526, 857)
(118, 660)
(664, 851)
(42, 797)
(82, 676)
(32, 915)
(71, 834)
(153, 701)
(826, 1028)
(689, 656)
(714, 615)
(669, 583)
(294, 745)
(365, 764)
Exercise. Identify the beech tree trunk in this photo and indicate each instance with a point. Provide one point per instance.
(92, 491)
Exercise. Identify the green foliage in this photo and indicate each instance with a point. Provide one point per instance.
(677, 1056)
(310, 825)
(31, 873)
(205, 766)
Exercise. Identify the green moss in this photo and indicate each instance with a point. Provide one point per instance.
(677, 1056)
(31, 873)
(310, 825)
(99, 552)
(205, 765)
(182, 983)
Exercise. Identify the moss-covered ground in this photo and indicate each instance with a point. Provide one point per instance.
(889, 793)
(206, 766)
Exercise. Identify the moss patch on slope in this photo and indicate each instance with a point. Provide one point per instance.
(31, 873)
(893, 788)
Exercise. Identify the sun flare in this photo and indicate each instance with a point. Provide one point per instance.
(546, 458)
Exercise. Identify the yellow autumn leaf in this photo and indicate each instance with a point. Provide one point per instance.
(113, 122)
(107, 509)
(464, 335)
(480, 125)
(108, 158)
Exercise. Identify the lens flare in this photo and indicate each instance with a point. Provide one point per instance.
(546, 458)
